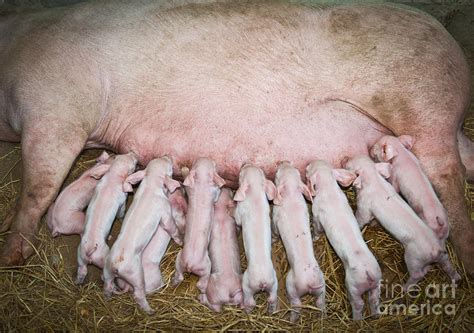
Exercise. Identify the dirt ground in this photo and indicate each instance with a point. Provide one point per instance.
(459, 21)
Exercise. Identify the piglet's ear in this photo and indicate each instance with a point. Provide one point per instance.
(310, 186)
(388, 152)
(99, 171)
(127, 187)
(384, 169)
(103, 157)
(270, 189)
(407, 140)
(306, 192)
(343, 176)
(171, 184)
(189, 180)
(277, 199)
(357, 183)
(136, 177)
(241, 194)
(218, 180)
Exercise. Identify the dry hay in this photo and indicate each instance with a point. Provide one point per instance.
(42, 295)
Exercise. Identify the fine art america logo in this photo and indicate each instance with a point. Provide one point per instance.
(435, 299)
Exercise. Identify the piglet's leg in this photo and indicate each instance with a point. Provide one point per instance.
(49, 148)
(416, 270)
(273, 295)
(204, 275)
(374, 300)
(249, 301)
(447, 266)
(357, 305)
(134, 275)
(320, 299)
(108, 278)
(293, 297)
(363, 215)
(167, 222)
(318, 229)
(356, 300)
(178, 274)
(81, 267)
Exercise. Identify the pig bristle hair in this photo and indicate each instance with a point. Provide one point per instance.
(42, 296)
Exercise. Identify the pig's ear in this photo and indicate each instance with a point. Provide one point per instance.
(171, 184)
(388, 152)
(189, 180)
(241, 194)
(99, 171)
(136, 177)
(343, 176)
(407, 140)
(270, 189)
(218, 180)
(103, 157)
(277, 199)
(357, 183)
(384, 169)
(306, 192)
(127, 187)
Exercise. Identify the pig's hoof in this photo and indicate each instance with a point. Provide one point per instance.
(150, 311)
(176, 281)
(79, 280)
(294, 316)
(15, 250)
(272, 308)
(456, 277)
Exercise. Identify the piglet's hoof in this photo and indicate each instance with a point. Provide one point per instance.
(15, 250)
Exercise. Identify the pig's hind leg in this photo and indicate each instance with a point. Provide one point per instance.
(49, 148)
(448, 267)
(355, 298)
(363, 215)
(179, 272)
(374, 300)
(204, 275)
(81, 267)
(320, 299)
(134, 275)
(273, 295)
(249, 300)
(293, 296)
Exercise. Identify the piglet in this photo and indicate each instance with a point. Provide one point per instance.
(66, 215)
(253, 214)
(291, 222)
(377, 198)
(224, 285)
(150, 209)
(408, 178)
(202, 187)
(332, 212)
(109, 199)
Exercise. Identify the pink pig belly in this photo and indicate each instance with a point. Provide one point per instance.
(263, 137)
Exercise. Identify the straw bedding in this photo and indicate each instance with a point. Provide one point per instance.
(42, 295)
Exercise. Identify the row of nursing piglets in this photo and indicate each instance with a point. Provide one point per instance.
(210, 241)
